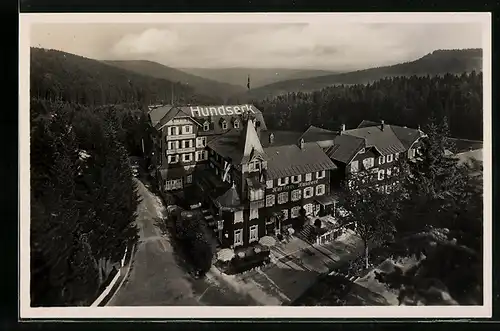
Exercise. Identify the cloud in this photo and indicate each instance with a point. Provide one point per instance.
(339, 46)
(150, 41)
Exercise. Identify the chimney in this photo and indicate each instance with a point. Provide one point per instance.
(342, 127)
(418, 128)
(382, 123)
(271, 138)
(301, 143)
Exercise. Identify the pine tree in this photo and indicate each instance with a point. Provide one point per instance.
(372, 211)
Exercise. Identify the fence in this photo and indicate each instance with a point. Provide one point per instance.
(108, 288)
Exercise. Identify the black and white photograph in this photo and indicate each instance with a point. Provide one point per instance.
(255, 165)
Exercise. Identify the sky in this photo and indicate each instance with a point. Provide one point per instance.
(329, 46)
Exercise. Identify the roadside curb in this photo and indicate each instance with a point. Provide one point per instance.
(123, 274)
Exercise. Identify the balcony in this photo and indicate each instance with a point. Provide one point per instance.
(180, 150)
(181, 136)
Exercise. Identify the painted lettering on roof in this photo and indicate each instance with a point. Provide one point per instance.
(200, 111)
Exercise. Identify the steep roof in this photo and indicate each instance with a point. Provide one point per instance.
(383, 140)
(366, 123)
(344, 148)
(238, 145)
(212, 114)
(407, 136)
(156, 114)
(230, 200)
(313, 134)
(289, 160)
(174, 112)
(280, 138)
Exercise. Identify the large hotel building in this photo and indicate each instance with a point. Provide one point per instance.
(258, 182)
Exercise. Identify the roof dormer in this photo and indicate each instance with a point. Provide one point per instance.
(236, 123)
(223, 123)
(206, 125)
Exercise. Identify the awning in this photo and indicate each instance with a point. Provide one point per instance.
(327, 200)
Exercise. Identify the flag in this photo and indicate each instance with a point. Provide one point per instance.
(248, 82)
(227, 167)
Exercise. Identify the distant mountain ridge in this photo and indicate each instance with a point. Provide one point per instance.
(200, 84)
(258, 76)
(58, 75)
(435, 63)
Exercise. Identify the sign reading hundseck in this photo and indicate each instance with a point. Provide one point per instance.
(222, 110)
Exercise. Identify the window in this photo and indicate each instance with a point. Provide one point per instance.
(411, 153)
(396, 156)
(254, 213)
(173, 159)
(187, 143)
(206, 126)
(361, 151)
(282, 181)
(389, 158)
(320, 174)
(308, 208)
(224, 125)
(189, 179)
(283, 197)
(187, 129)
(270, 199)
(320, 189)
(205, 155)
(381, 159)
(381, 174)
(238, 216)
(296, 179)
(254, 233)
(238, 237)
(173, 131)
(295, 212)
(368, 163)
(173, 144)
(254, 166)
(285, 214)
(201, 142)
(236, 124)
(269, 184)
(187, 157)
(388, 172)
(354, 166)
(308, 192)
(256, 194)
(387, 189)
(296, 195)
(308, 177)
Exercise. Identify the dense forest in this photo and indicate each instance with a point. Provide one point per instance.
(405, 101)
(439, 62)
(205, 86)
(83, 198)
(57, 75)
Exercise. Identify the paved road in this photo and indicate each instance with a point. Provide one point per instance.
(157, 277)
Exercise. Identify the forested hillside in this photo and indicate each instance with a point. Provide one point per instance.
(83, 196)
(201, 85)
(258, 76)
(405, 101)
(83, 199)
(437, 63)
(57, 75)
